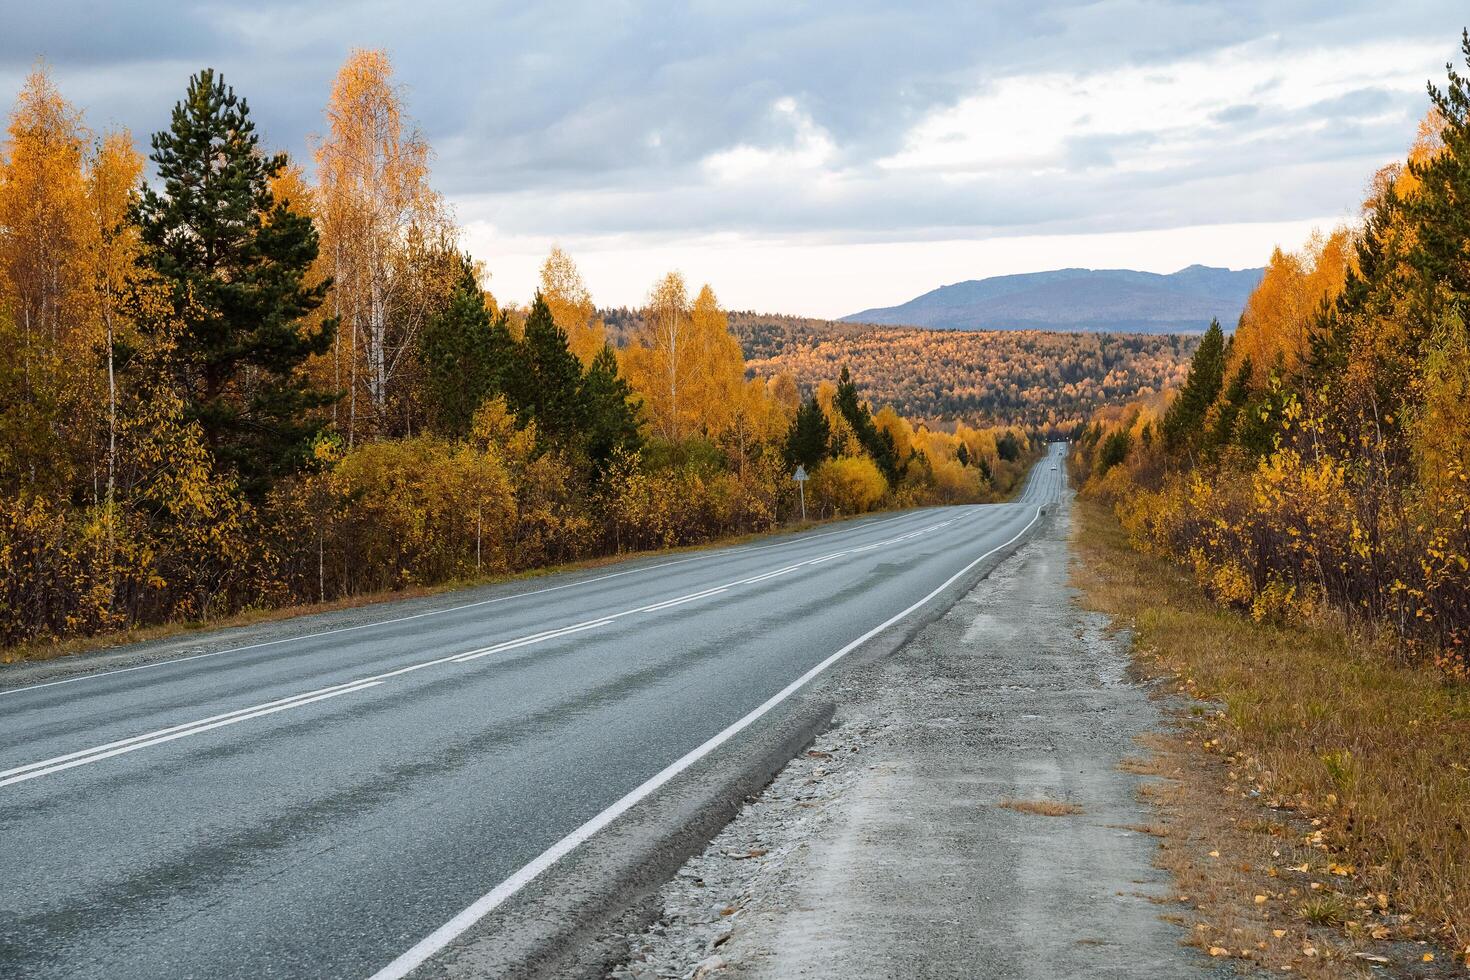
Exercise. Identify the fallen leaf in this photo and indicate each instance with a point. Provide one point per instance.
(1427, 957)
(1372, 958)
(1260, 899)
(1219, 951)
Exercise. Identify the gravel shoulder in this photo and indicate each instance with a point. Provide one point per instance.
(916, 837)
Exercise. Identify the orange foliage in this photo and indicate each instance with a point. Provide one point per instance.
(1277, 317)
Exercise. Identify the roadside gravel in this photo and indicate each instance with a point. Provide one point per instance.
(903, 843)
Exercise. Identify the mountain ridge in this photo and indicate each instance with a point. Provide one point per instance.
(1079, 300)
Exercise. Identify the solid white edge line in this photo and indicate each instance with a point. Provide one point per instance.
(451, 930)
(717, 553)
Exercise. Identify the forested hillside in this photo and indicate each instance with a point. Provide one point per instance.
(1120, 300)
(1027, 378)
(233, 387)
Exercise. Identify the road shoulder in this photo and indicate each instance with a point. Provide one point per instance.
(965, 816)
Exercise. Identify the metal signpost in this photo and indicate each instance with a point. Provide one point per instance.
(800, 479)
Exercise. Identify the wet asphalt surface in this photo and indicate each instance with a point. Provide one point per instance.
(313, 798)
(886, 852)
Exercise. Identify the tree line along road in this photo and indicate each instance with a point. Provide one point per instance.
(340, 797)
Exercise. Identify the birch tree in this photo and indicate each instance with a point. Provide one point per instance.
(388, 243)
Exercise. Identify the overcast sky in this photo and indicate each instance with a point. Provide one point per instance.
(818, 158)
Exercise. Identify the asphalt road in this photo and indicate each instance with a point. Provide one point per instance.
(320, 804)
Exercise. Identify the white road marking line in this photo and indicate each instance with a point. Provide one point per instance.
(687, 598)
(173, 728)
(717, 553)
(772, 574)
(455, 927)
(123, 746)
(194, 730)
(528, 640)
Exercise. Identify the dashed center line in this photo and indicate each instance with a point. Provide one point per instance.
(110, 750)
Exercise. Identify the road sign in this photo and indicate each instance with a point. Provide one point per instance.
(800, 477)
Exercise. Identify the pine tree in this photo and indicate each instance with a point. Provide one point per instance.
(1227, 411)
(1113, 451)
(236, 260)
(1184, 421)
(612, 411)
(466, 355)
(807, 439)
(1441, 220)
(1259, 422)
(963, 455)
(549, 390)
(876, 442)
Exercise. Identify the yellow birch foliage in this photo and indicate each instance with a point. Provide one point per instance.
(387, 242)
(687, 366)
(718, 372)
(571, 306)
(1278, 314)
(45, 286)
(659, 363)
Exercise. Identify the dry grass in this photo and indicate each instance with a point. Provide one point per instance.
(1317, 797)
(1042, 808)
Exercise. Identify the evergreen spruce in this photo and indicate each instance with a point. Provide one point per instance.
(237, 262)
(466, 356)
(807, 439)
(1237, 394)
(549, 389)
(876, 442)
(1441, 219)
(612, 411)
(1185, 419)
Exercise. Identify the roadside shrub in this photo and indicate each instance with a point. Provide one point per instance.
(848, 485)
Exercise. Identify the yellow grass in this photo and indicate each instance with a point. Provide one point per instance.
(1042, 808)
(1304, 746)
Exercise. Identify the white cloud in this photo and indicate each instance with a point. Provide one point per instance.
(808, 150)
(1151, 118)
(812, 277)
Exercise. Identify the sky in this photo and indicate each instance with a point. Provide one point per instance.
(817, 158)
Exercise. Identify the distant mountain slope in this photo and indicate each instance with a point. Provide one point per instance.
(1080, 300)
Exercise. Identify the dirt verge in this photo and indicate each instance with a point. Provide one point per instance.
(969, 815)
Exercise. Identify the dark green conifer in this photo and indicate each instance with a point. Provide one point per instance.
(237, 261)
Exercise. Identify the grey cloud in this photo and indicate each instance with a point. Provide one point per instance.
(585, 118)
(1236, 114)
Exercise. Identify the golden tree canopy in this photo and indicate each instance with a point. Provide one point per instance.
(571, 305)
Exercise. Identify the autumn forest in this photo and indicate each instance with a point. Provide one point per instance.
(231, 386)
(1316, 462)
